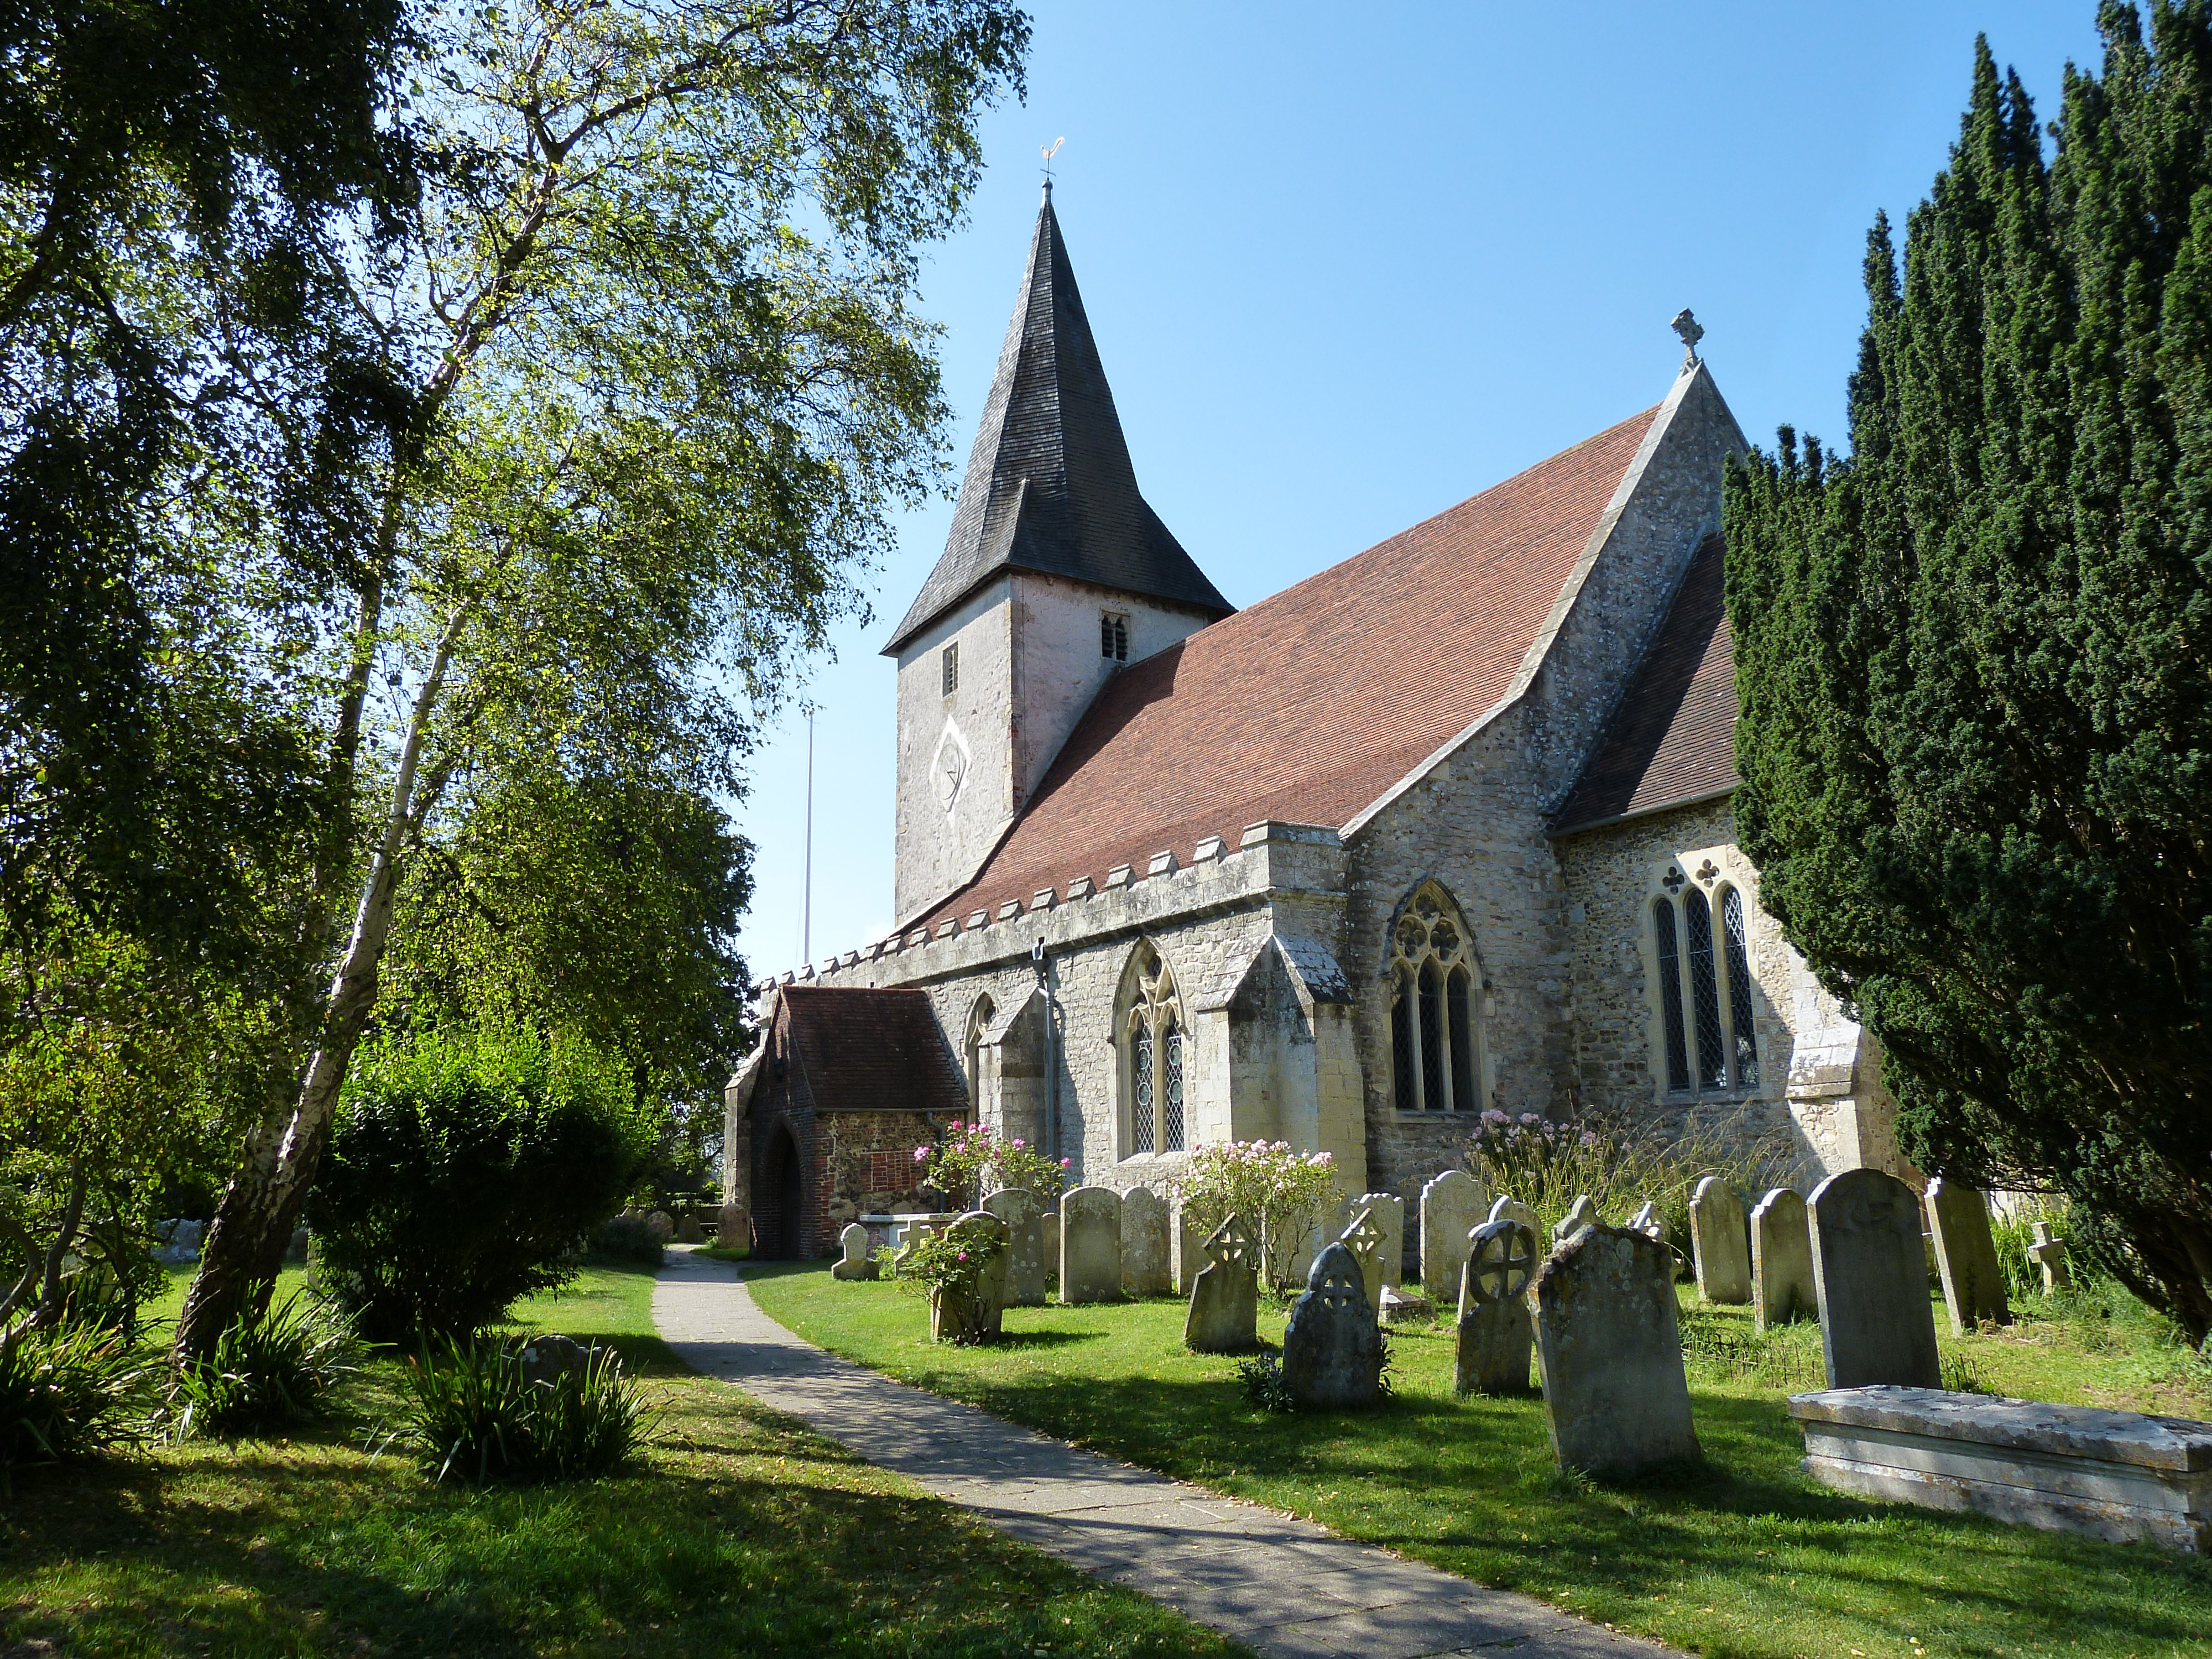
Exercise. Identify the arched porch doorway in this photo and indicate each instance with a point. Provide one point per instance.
(780, 1199)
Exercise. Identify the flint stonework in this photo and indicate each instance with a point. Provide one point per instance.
(1965, 1255)
(1871, 1276)
(1332, 1350)
(1609, 1349)
(1721, 1243)
(1090, 1244)
(1781, 1260)
(1453, 1206)
(1225, 1294)
(1145, 1267)
(1023, 1212)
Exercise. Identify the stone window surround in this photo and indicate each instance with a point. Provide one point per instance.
(1729, 871)
(1150, 1002)
(1402, 974)
(980, 1017)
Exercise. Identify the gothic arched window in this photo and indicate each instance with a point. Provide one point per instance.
(1151, 1033)
(979, 1021)
(1705, 1009)
(1435, 1029)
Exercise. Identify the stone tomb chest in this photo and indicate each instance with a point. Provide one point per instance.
(2065, 1468)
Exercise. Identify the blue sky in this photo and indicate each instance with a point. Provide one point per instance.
(1348, 266)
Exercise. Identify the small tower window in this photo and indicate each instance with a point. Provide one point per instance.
(952, 668)
(1113, 636)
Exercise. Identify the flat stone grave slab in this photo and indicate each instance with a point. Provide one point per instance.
(2114, 1475)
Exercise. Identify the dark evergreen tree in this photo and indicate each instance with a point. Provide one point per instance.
(1975, 658)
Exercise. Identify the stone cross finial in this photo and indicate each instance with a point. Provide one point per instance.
(1686, 326)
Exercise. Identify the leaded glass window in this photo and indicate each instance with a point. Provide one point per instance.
(1462, 1039)
(1171, 1041)
(1670, 994)
(1140, 1118)
(1704, 991)
(1742, 1028)
(1435, 1034)
(1153, 1039)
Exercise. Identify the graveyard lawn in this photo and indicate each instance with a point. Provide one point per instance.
(1746, 1558)
(740, 1533)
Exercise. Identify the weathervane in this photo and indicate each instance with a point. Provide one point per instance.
(1686, 326)
(1049, 151)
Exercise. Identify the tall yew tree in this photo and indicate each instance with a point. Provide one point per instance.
(1975, 658)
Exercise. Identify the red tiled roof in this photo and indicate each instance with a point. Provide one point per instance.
(1673, 737)
(1310, 704)
(859, 1047)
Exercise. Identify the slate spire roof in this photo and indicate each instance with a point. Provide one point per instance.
(1049, 486)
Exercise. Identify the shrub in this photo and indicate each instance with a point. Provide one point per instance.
(473, 1413)
(1278, 1192)
(265, 1372)
(67, 1392)
(971, 1163)
(1264, 1385)
(464, 1169)
(627, 1239)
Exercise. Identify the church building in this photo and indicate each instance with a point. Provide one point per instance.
(1443, 828)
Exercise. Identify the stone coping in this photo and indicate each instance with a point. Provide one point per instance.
(2177, 1443)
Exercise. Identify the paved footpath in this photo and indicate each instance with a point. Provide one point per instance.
(1282, 1586)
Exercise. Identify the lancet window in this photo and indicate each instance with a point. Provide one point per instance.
(1435, 1029)
(979, 1021)
(1708, 1033)
(1153, 1057)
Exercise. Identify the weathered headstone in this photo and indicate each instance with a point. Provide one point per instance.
(910, 1239)
(2049, 1254)
(662, 1226)
(1364, 1239)
(1090, 1244)
(1225, 1294)
(1512, 1209)
(855, 1262)
(1493, 1309)
(1876, 1323)
(1144, 1243)
(1023, 1212)
(1609, 1348)
(1332, 1350)
(1649, 1222)
(1189, 1239)
(1965, 1255)
(1781, 1260)
(1452, 1207)
(1721, 1242)
(1399, 1306)
(978, 1314)
(688, 1230)
(1580, 1214)
(1390, 1211)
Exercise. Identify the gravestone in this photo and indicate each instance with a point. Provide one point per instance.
(1225, 1294)
(1189, 1250)
(661, 1225)
(1389, 1212)
(914, 1234)
(688, 1230)
(1965, 1255)
(1364, 1239)
(1722, 1245)
(1090, 1244)
(2049, 1254)
(977, 1314)
(1023, 1212)
(1398, 1306)
(1649, 1222)
(1493, 1333)
(1580, 1214)
(1332, 1349)
(1512, 1209)
(547, 1358)
(1781, 1260)
(1876, 1324)
(1452, 1207)
(1609, 1349)
(855, 1262)
(1144, 1243)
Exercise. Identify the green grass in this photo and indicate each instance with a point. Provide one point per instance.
(740, 1533)
(1748, 1559)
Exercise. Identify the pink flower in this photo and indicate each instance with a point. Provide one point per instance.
(1067, 1163)
(964, 1255)
(921, 1154)
(1019, 1142)
(1530, 1118)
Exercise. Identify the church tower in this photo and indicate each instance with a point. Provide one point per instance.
(1056, 574)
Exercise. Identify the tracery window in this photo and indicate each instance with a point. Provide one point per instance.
(1708, 1031)
(1435, 1031)
(979, 1021)
(1151, 1033)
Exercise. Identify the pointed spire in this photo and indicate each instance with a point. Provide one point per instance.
(1049, 485)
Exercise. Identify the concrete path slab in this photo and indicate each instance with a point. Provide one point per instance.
(1284, 1587)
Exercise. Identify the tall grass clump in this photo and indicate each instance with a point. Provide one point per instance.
(1547, 1163)
(474, 1413)
(69, 1391)
(265, 1371)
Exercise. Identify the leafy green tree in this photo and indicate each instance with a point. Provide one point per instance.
(1975, 658)
(664, 382)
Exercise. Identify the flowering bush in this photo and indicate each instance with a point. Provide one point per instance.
(1271, 1187)
(952, 1267)
(971, 1162)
